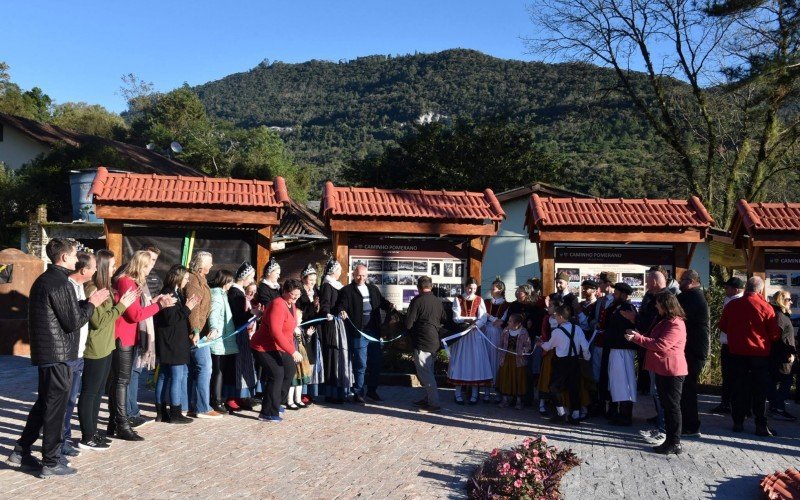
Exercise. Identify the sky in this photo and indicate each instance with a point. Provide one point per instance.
(78, 51)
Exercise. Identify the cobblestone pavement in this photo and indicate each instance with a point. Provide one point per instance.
(386, 451)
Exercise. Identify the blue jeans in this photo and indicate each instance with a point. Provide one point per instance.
(659, 409)
(77, 372)
(200, 381)
(358, 353)
(133, 387)
(172, 385)
(777, 394)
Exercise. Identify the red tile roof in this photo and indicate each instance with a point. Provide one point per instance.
(617, 213)
(181, 190)
(769, 216)
(397, 204)
(782, 485)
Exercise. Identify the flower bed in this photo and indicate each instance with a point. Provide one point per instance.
(530, 470)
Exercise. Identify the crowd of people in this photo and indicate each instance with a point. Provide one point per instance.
(224, 342)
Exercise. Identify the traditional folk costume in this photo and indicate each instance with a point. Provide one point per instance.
(336, 362)
(568, 344)
(469, 356)
(621, 355)
(495, 310)
(245, 374)
(309, 304)
(512, 376)
(302, 374)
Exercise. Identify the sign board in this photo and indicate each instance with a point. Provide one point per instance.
(631, 264)
(783, 273)
(394, 265)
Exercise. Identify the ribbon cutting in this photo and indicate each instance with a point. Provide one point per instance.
(201, 345)
(370, 337)
(473, 327)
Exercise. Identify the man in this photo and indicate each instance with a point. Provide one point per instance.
(54, 320)
(562, 288)
(84, 271)
(751, 327)
(698, 343)
(586, 308)
(424, 318)
(734, 289)
(359, 304)
(144, 356)
(621, 356)
(597, 342)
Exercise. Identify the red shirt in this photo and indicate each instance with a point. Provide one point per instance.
(276, 332)
(126, 326)
(665, 344)
(750, 324)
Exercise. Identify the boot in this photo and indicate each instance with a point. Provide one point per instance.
(162, 414)
(612, 412)
(625, 415)
(125, 432)
(176, 417)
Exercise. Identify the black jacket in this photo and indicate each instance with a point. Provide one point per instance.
(351, 302)
(266, 294)
(617, 325)
(238, 303)
(424, 318)
(55, 317)
(172, 332)
(783, 348)
(698, 323)
(305, 304)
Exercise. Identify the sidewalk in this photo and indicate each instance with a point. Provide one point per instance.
(386, 451)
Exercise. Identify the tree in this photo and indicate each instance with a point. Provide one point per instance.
(736, 124)
(91, 119)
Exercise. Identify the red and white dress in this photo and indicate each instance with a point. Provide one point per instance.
(469, 356)
(495, 309)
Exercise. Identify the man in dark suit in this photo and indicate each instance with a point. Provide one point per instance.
(698, 342)
(359, 304)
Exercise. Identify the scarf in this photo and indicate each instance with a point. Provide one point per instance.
(147, 337)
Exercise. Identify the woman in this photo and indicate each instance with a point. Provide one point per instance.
(173, 347)
(782, 357)
(273, 346)
(269, 288)
(200, 363)
(225, 348)
(242, 309)
(99, 346)
(308, 304)
(496, 306)
(125, 331)
(469, 357)
(665, 357)
(336, 360)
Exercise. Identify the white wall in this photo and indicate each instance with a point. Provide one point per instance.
(16, 149)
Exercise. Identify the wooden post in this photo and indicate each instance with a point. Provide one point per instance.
(547, 260)
(113, 230)
(757, 265)
(681, 255)
(475, 259)
(341, 253)
(263, 250)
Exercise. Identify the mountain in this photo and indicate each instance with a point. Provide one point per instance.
(330, 114)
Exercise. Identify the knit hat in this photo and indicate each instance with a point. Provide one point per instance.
(624, 288)
(591, 284)
(563, 275)
(310, 269)
(243, 271)
(273, 266)
(332, 266)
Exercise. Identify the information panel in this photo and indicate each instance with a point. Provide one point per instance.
(783, 273)
(394, 265)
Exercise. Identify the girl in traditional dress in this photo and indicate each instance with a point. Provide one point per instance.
(308, 303)
(469, 356)
(242, 310)
(337, 366)
(512, 377)
(269, 288)
(496, 307)
(302, 374)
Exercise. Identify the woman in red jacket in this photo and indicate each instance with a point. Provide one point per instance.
(126, 332)
(665, 345)
(273, 349)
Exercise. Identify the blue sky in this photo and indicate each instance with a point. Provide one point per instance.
(77, 51)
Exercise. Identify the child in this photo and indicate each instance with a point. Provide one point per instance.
(512, 377)
(302, 375)
(546, 368)
(568, 342)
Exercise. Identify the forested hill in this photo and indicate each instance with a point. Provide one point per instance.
(332, 113)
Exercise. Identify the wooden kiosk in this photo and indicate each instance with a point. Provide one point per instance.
(607, 227)
(403, 234)
(158, 201)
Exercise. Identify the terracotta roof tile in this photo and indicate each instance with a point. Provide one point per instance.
(618, 212)
(181, 190)
(769, 216)
(410, 204)
(782, 485)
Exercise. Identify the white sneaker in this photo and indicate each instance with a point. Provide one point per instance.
(209, 414)
(653, 436)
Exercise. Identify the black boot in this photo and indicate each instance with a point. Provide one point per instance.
(625, 415)
(612, 412)
(176, 417)
(162, 414)
(668, 448)
(125, 432)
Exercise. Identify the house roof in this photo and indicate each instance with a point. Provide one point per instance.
(397, 204)
(540, 188)
(182, 190)
(769, 216)
(136, 158)
(299, 221)
(600, 213)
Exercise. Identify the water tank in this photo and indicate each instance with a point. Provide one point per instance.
(80, 184)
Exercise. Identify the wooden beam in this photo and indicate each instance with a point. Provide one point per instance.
(113, 231)
(681, 256)
(547, 261)
(756, 264)
(692, 248)
(341, 252)
(180, 214)
(779, 243)
(610, 236)
(422, 227)
(263, 243)
(475, 259)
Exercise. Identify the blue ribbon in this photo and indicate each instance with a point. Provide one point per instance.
(370, 337)
(201, 345)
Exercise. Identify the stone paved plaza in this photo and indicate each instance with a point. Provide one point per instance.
(386, 451)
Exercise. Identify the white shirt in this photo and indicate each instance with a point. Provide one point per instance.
(85, 328)
(723, 337)
(336, 284)
(367, 305)
(560, 342)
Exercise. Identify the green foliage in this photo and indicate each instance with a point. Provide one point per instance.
(33, 104)
(91, 119)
